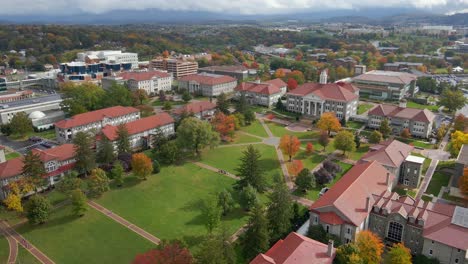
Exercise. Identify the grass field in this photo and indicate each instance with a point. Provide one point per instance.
(362, 108)
(48, 134)
(416, 143)
(427, 162)
(93, 238)
(433, 108)
(438, 180)
(309, 162)
(168, 204)
(255, 128)
(354, 124)
(279, 130)
(12, 155)
(229, 159)
(4, 249)
(242, 138)
(314, 193)
(24, 257)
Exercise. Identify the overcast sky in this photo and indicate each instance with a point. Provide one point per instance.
(57, 7)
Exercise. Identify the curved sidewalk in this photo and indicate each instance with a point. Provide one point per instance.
(12, 244)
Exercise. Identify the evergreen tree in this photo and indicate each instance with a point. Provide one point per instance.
(38, 209)
(242, 105)
(186, 96)
(123, 140)
(222, 104)
(212, 214)
(84, 154)
(249, 116)
(159, 139)
(248, 198)
(156, 167)
(304, 180)
(117, 173)
(78, 202)
(33, 169)
(216, 249)
(256, 239)
(249, 171)
(105, 153)
(20, 124)
(279, 212)
(385, 128)
(357, 140)
(225, 201)
(280, 105)
(69, 183)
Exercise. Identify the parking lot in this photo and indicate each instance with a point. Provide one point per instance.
(23, 147)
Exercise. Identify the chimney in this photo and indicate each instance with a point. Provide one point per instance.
(330, 248)
(367, 203)
(2, 154)
(323, 77)
(402, 103)
(387, 181)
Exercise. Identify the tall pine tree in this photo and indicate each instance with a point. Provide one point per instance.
(280, 212)
(222, 104)
(33, 169)
(105, 153)
(123, 141)
(250, 171)
(256, 239)
(84, 154)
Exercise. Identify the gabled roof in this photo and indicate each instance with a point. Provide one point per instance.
(208, 78)
(143, 76)
(269, 87)
(463, 155)
(11, 168)
(95, 116)
(387, 77)
(386, 110)
(60, 153)
(340, 91)
(390, 153)
(349, 195)
(139, 126)
(196, 107)
(296, 249)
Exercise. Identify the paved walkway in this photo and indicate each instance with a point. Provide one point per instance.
(238, 145)
(39, 255)
(252, 135)
(124, 222)
(211, 168)
(13, 245)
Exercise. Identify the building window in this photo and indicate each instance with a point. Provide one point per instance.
(395, 231)
(458, 250)
(456, 260)
(349, 230)
(328, 228)
(432, 242)
(430, 252)
(406, 182)
(315, 219)
(348, 240)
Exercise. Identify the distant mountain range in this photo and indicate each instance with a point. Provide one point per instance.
(369, 16)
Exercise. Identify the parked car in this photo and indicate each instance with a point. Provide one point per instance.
(323, 191)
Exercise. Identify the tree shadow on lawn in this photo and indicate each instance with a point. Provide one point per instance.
(57, 221)
(193, 205)
(128, 182)
(193, 240)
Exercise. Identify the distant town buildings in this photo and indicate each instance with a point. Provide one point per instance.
(151, 81)
(94, 121)
(178, 68)
(385, 85)
(401, 66)
(418, 121)
(239, 72)
(262, 93)
(207, 84)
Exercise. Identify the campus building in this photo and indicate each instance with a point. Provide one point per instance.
(385, 85)
(94, 121)
(396, 157)
(314, 99)
(58, 161)
(297, 249)
(109, 57)
(201, 110)
(207, 84)
(461, 163)
(178, 68)
(239, 72)
(141, 130)
(151, 81)
(262, 93)
(29, 105)
(419, 122)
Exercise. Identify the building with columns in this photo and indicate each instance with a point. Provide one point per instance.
(314, 99)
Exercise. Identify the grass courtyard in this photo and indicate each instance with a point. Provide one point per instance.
(354, 124)
(362, 108)
(255, 129)
(279, 130)
(438, 180)
(433, 108)
(240, 138)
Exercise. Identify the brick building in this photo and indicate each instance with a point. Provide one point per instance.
(207, 84)
(262, 93)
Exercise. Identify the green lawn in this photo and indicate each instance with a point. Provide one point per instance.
(356, 155)
(402, 192)
(363, 108)
(24, 257)
(416, 143)
(314, 193)
(427, 162)
(168, 204)
(309, 162)
(433, 108)
(48, 134)
(319, 148)
(240, 138)
(12, 155)
(354, 124)
(160, 103)
(93, 238)
(229, 159)
(279, 130)
(4, 249)
(255, 128)
(438, 180)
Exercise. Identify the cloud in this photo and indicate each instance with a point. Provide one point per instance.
(57, 7)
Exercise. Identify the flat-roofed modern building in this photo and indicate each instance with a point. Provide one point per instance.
(239, 72)
(29, 105)
(178, 68)
(385, 85)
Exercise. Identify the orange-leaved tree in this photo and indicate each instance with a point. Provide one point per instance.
(170, 253)
(328, 122)
(224, 124)
(290, 145)
(292, 84)
(463, 183)
(295, 167)
(309, 148)
(279, 73)
(370, 247)
(141, 165)
(405, 133)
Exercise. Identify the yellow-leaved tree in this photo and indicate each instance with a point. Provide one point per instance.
(370, 247)
(141, 165)
(328, 122)
(13, 202)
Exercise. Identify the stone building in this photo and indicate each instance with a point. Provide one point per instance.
(207, 84)
(262, 93)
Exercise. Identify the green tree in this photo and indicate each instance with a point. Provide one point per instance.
(427, 84)
(222, 104)
(324, 140)
(421, 259)
(159, 139)
(357, 140)
(78, 202)
(117, 94)
(225, 201)
(249, 116)
(194, 134)
(452, 100)
(33, 169)
(375, 137)
(80, 98)
(256, 239)
(211, 213)
(242, 105)
(216, 249)
(98, 183)
(186, 96)
(156, 167)
(123, 139)
(279, 212)
(69, 183)
(168, 153)
(250, 171)
(105, 153)
(139, 96)
(38, 209)
(20, 124)
(348, 254)
(84, 154)
(344, 141)
(167, 106)
(317, 232)
(398, 254)
(117, 173)
(304, 180)
(280, 106)
(248, 197)
(385, 128)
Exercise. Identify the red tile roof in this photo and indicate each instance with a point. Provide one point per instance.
(195, 107)
(208, 79)
(420, 115)
(139, 126)
(60, 153)
(95, 116)
(296, 249)
(387, 77)
(390, 153)
(11, 168)
(349, 195)
(269, 87)
(340, 91)
(143, 76)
